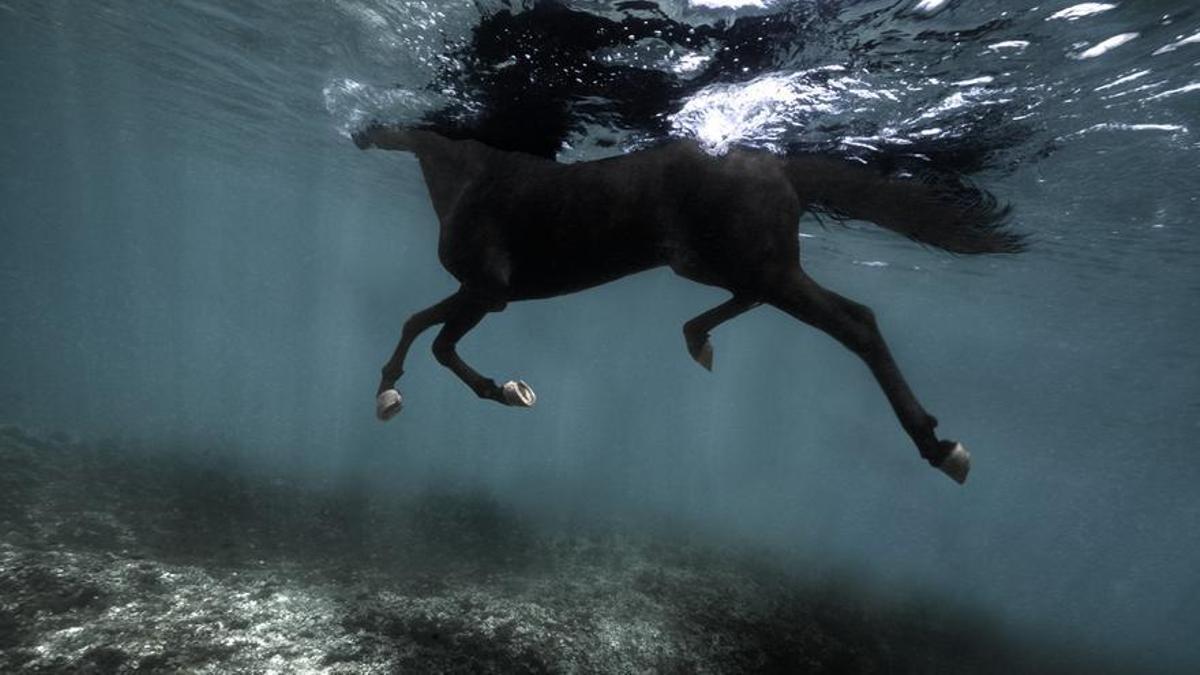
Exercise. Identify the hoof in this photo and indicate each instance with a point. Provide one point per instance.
(519, 394)
(387, 404)
(956, 464)
(703, 354)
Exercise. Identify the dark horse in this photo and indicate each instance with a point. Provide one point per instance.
(518, 227)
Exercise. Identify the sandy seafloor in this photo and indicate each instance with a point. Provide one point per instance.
(130, 559)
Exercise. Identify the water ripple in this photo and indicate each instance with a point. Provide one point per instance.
(1059, 84)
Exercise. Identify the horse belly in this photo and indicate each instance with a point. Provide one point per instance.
(557, 260)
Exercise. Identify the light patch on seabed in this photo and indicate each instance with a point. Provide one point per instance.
(1116, 126)
(929, 5)
(1106, 46)
(859, 143)
(730, 4)
(959, 99)
(1008, 44)
(1135, 90)
(1076, 12)
(1174, 92)
(1190, 40)
(1123, 80)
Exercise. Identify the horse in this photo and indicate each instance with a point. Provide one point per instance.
(515, 226)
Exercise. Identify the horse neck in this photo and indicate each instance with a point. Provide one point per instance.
(449, 166)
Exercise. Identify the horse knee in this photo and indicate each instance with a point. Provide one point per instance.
(443, 351)
(412, 328)
(864, 335)
(862, 315)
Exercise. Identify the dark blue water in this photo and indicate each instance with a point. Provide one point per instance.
(191, 248)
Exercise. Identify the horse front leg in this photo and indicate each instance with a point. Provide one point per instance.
(466, 317)
(388, 401)
(854, 326)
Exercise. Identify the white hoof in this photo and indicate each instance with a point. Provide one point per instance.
(957, 464)
(387, 404)
(519, 394)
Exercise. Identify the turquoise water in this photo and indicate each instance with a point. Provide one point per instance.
(192, 250)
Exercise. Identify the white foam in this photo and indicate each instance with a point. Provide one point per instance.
(690, 63)
(764, 109)
(351, 103)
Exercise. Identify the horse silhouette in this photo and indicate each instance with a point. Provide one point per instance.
(517, 227)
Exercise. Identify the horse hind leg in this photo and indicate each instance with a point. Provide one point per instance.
(696, 331)
(854, 326)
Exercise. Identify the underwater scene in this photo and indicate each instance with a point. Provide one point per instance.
(747, 336)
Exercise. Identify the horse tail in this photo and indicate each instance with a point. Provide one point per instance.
(942, 210)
